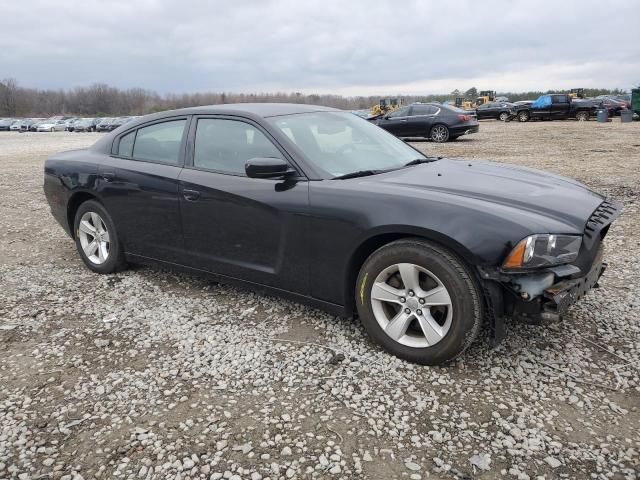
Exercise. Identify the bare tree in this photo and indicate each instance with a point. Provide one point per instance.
(101, 99)
(9, 94)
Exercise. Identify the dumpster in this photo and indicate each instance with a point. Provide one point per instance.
(626, 116)
(635, 100)
(603, 115)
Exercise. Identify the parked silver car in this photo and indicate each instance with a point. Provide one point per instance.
(52, 126)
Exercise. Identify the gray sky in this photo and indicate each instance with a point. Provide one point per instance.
(348, 47)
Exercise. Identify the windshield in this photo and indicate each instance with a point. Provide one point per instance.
(340, 143)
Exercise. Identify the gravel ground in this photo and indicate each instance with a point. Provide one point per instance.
(151, 374)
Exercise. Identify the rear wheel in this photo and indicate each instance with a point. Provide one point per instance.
(523, 116)
(582, 116)
(439, 133)
(419, 301)
(96, 238)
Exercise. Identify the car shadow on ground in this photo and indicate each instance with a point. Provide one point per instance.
(428, 140)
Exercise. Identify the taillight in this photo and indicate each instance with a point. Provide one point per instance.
(464, 118)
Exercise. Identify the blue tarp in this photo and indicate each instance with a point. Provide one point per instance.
(543, 101)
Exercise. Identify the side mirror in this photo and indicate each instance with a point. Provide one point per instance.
(267, 168)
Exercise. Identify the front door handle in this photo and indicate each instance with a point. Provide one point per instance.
(190, 195)
(108, 176)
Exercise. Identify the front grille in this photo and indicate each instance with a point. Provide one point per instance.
(602, 217)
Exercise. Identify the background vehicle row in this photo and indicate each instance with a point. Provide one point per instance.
(61, 123)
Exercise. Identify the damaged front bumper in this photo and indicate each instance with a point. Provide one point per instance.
(536, 301)
(537, 298)
(545, 295)
(563, 294)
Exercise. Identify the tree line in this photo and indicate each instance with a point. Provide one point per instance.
(103, 100)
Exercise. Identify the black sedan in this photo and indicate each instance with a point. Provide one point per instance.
(440, 123)
(496, 110)
(323, 207)
(104, 125)
(85, 125)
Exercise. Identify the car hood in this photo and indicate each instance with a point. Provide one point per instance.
(545, 194)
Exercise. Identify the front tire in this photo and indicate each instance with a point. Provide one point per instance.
(96, 239)
(523, 117)
(582, 116)
(504, 116)
(439, 133)
(419, 301)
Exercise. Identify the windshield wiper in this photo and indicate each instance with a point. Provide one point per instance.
(359, 173)
(418, 161)
(366, 173)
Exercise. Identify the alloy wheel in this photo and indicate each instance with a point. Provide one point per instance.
(504, 116)
(439, 133)
(411, 305)
(94, 238)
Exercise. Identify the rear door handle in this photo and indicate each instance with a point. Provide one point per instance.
(108, 176)
(190, 195)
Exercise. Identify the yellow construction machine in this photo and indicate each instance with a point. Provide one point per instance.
(386, 105)
(463, 103)
(485, 96)
(577, 93)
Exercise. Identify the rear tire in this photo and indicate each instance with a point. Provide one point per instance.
(96, 238)
(388, 290)
(523, 116)
(439, 133)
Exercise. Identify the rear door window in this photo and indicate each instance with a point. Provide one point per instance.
(160, 142)
(423, 110)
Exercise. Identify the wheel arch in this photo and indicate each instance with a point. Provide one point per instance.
(380, 238)
(77, 199)
(437, 124)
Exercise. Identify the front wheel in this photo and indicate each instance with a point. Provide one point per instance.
(419, 301)
(582, 116)
(96, 238)
(504, 116)
(523, 117)
(439, 133)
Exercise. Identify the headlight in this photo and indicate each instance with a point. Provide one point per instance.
(543, 251)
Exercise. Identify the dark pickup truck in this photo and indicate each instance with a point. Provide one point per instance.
(557, 106)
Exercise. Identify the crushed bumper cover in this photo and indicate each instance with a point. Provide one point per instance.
(563, 294)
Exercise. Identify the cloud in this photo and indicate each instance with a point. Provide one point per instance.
(346, 47)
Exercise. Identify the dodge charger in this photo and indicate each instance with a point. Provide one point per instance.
(324, 208)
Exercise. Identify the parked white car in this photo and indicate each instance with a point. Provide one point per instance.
(52, 126)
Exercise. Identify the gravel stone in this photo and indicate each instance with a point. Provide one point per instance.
(553, 462)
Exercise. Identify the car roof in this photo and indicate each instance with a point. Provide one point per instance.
(249, 109)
